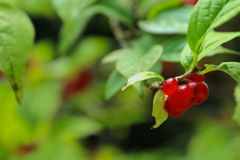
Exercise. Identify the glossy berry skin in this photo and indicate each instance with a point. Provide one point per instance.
(170, 86)
(201, 91)
(195, 77)
(179, 101)
(182, 98)
(172, 109)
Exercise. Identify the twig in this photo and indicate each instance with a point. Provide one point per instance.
(118, 33)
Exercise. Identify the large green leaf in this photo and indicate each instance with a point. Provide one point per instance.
(187, 58)
(16, 37)
(214, 40)
(236, 115)
(159, 111)
(231, 68)
(75, 15)
(171, 21)
(206, 15)
(137, 62)
(114, 84)
(172, 48)
(222, 50)
(140, 77)
(231, 9)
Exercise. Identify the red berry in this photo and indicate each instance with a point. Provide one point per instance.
(181, 99)
(171, 109)
(170, 86)
(79, 83)
(200, 91)
(189, 2)
(25, 149)
(195, 77)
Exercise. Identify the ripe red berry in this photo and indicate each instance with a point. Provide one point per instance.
(171, 108)
(201, 91)
(182, 98)
(195, 77)
(170, 86)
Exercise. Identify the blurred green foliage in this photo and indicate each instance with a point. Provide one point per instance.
(52, 124)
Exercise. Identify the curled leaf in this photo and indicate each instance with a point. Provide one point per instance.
(140, 77)
(159, 111)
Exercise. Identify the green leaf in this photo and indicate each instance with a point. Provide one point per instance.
(187, 58)
(171, 21)
(157, 67)
(37, 8)
(115, 55)
(236, 115)
(162, 6)
(206, 15)
(143, 7)
(41, 102)
(139, 89)
(137, 62)
(222, 50)
(75, 15)
(16, 37)
(113, 10)
(231, 68)
(69, 126)
(114, 84)
(140, 77)
(143, 43)
(230, 10)
(90, 50)
(172, 48)
(214, 40)
(159, 111)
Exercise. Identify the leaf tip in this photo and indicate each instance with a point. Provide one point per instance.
(123, 88)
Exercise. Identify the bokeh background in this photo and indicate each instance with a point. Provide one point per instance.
(65, 113)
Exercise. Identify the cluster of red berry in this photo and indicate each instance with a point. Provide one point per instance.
(182, 97)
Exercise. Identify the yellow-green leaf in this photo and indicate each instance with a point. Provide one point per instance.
(159, 111)
(140, 77)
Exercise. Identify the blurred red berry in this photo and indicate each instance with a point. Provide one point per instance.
(25, 149)
(79, 83)
(1, 75)
(189, 2)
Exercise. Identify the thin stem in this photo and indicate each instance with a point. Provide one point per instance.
(118, 33)
(182, 77)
